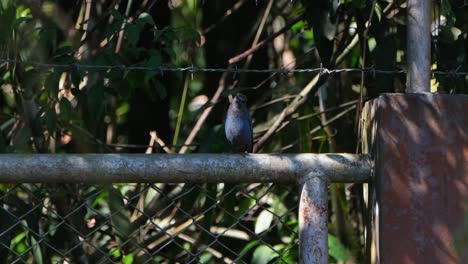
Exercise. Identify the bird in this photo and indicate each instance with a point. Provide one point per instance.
(238, 125)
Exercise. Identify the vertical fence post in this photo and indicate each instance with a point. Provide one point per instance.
(419, 146)
(418, 46)
(313, 229)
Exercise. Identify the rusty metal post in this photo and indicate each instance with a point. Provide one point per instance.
(419, 147)
(313, 220)
(418, 46)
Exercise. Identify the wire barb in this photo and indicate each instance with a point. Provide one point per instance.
(193, 69)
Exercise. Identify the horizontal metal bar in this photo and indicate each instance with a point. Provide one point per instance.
(193, 168)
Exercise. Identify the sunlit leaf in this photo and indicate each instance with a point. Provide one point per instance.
(127, 259)
(263, 254)
(146, 18)
(263, 222)
(298, 26)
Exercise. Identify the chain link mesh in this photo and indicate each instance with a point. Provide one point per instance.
(148, 223)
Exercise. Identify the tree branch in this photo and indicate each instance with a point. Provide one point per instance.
(262, 43)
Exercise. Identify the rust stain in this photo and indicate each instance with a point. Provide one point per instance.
(421, 170)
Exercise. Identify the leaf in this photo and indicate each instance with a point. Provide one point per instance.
(192, 35)
(50, 120)
(95, 96)
(336, 249)
(298, 26)
(120, 216)
(146, 18)
(447, 12)
(132, 33)
(6, 76)
(123, 88)
(76, 76)
(36, 251)
(206, 258)
(7, 123)
(115, 252)
(64, 50)
(7, 221)
(360, 4)
(99, 198)
(117, 15)
(23, 136)
(378, 11)
(263, 254)
(128, 259)
(18, 241)
(263, 221)
(154, 61)
(20, 20)
(289, 254)
(7, 17)
(52, 83)
(113, 28)
(160, 89)
(65, 109)
(170, 52)
(323, 17)
(248, 247)
(48, 39)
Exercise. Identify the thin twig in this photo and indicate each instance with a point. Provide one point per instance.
(181, 110)
(228, 12)
(118, 47)
(204, 115)
(297, 119)
(363, 66)
(317, 128)
(155, 138)
(248, 52)
(301, 98)
(260, 29)
(274, 101)
(84, 22)
(298, 101)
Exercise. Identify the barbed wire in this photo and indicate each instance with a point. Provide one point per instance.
(193, 69)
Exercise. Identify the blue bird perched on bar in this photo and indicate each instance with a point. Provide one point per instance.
(238, 125)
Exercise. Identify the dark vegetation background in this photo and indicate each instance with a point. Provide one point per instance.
(112, 110)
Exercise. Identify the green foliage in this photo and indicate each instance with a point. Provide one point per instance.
(336, 249)
(322, 15)
(263, 255)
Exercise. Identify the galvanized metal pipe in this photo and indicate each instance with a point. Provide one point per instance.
(313, 220)
(314, 171)
(189, 168)
(418, 45)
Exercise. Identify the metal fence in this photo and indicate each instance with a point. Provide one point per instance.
(148, 223)
(373, 70)
(76, 213)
